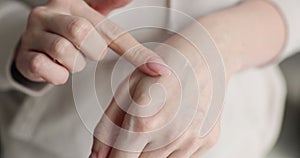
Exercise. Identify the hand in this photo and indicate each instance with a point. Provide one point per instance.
(240, 50)
(111, 142)
(62, 34)
(189, 144)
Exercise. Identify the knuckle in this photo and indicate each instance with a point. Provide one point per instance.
(36, 13)
(137, 52)
(79, 29)
(36, 63)
(141, 98)
(212, 141)
(110, 30)
(196, 142)
(59, 46)
(140, 54)
(145, 124)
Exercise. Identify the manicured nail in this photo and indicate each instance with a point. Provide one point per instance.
(157, 65)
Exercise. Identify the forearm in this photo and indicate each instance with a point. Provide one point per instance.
(249, 34)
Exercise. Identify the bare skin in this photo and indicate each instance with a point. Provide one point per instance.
(250, 34)
(61, 35)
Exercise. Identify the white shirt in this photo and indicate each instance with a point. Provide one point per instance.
(49, 126)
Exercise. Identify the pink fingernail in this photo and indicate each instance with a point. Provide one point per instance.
(157, 65)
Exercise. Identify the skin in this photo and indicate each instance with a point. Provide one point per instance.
(61, 35)
(235, 31)
(49, 50)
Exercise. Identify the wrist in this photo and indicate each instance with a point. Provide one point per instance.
(233, 60)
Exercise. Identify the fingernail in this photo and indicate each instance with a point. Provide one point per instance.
(157, 65)
(93, 155)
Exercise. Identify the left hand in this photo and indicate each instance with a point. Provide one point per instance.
(240, 50)
(188, 144)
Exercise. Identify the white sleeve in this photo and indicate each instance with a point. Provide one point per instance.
(290, 10)
(13, 17)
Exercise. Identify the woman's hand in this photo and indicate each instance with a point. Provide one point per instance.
(235, 31)
(62, 34)
(167, 105)
(162, 144)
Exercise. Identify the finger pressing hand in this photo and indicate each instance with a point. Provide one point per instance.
(124, 43)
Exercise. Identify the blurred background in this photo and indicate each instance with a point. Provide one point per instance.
(288, 145)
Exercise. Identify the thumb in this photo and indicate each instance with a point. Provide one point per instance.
(106, 6)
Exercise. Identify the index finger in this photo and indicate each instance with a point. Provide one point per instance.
(124, 43)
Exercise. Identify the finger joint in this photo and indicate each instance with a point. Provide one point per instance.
(59, 46)
(78, 29)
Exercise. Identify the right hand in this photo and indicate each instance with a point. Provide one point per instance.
(62, 34)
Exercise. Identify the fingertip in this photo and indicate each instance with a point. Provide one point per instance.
(57, 76)
(61, 78)
(145, 69)
(158, 66)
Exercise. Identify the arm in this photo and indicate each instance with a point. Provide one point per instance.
(248, 35)
(290, 12)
